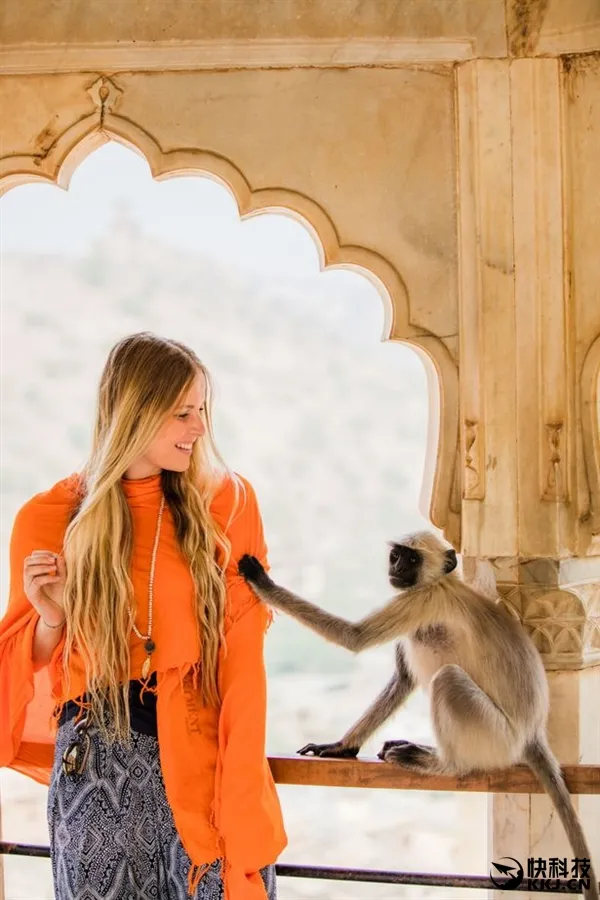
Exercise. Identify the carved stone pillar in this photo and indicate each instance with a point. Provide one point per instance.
(559, 604)
(529, 141)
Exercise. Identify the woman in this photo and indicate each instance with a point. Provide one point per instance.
(131, 654)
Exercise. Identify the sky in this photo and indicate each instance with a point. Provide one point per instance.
(193, 213)
(189, 212)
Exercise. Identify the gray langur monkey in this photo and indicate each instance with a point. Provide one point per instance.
(487, 685)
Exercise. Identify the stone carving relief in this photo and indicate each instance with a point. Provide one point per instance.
(105, 94)
(563, 623)
(555, 487)
(474, 483)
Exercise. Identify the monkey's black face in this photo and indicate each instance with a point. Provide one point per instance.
(405, 566)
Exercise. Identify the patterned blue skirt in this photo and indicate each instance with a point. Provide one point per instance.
(112, 833)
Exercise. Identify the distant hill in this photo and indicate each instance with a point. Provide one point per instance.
(328, 423)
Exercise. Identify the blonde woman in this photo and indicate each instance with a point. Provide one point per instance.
(131, 654)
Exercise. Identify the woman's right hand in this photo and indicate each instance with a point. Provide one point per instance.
(44, 578)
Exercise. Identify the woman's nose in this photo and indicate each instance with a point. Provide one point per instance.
(199, 426)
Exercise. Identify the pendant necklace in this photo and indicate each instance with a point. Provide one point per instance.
(149, 645)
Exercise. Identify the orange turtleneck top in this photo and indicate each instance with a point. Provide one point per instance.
(216, 774)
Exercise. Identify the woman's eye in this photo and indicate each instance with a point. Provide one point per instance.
(185, 415)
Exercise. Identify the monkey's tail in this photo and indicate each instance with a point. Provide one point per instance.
(544, 764)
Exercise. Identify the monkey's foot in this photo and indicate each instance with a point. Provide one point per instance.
(389, 745)
(252, 570)
(416, 757)
(329, 751)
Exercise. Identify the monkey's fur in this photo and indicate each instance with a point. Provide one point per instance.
(487, 685)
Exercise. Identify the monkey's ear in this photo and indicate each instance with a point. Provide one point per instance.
(451, 561)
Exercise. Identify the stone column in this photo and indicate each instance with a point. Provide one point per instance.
(559, 604)
(529, 144)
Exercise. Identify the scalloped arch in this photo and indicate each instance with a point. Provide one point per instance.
(440, 495)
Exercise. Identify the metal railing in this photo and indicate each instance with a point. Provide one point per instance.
(330, 873)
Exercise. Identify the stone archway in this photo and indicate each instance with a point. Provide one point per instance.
(59, 154)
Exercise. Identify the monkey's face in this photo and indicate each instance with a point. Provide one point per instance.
(415, 566)
(405, 566)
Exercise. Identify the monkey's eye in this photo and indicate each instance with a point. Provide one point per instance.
(414, 559)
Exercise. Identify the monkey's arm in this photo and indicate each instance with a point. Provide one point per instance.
(399, 687)
(398, 617)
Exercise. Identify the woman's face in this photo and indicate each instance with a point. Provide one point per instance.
(172, 446)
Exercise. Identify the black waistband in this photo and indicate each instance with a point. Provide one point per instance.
(142, 710)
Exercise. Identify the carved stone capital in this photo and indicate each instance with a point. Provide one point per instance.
(564, 624)
(558, 602)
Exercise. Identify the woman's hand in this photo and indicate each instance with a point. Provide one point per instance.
(44, 577)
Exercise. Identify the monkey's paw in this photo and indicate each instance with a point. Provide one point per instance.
(329, 751)
(417, 757)
(252, 570)
(388, 746)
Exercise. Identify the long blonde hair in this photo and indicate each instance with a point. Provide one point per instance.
(143, 379)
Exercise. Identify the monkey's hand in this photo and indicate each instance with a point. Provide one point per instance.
(330, 751)
(252, 570)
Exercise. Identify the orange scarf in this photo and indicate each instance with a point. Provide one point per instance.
(217, 777)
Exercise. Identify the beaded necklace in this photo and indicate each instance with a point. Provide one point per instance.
(149, 645)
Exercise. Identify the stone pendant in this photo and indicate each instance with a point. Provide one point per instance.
(149, 647)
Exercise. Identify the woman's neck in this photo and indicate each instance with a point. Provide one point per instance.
(141, 469)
